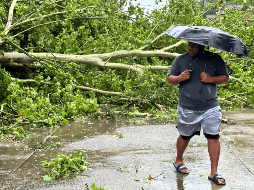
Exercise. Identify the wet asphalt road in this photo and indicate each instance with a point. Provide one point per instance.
(123, 163)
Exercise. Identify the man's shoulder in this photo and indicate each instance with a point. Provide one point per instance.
(213, 57)
(181, 59)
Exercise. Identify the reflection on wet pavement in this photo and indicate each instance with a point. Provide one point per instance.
(239, 136)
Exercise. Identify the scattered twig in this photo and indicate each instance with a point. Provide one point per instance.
(153, 29)
(158, 175)
(238, 80)
(39, 121)
(162, 34)
(223, 99)
(137, 114)
(242, 58)
(55, 22)
(78, 87)
(232, 96)
(173, 46)
(37, 11)
(45, 16)
(13, 108)
(240, 98)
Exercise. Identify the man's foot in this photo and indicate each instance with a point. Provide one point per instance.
(217, 179)
(181, 168)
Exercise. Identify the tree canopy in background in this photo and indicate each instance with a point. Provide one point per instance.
(64, 59)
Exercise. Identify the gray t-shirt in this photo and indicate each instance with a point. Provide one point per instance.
(194, 94)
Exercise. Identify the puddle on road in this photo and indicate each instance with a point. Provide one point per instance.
(13, 154)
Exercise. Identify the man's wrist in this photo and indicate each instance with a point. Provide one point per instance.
(212, 79)
(179, 79)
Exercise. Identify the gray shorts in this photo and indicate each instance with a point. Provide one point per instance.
(190, 122)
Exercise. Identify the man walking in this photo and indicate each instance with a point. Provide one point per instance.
(197, 73)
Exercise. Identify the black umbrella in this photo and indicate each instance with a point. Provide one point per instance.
(209, 36)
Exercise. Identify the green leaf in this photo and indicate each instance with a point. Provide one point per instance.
(46, 178)
(64, 165)
(94, 187)
(204, 175)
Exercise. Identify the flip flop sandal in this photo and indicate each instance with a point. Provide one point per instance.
(215, 179)
(180, 167)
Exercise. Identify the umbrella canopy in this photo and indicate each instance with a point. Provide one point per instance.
(209, 36)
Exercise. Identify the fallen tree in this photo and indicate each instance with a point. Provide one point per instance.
(95, 59)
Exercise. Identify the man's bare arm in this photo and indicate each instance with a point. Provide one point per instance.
(175, 80)
(206, 78)
(220, 79)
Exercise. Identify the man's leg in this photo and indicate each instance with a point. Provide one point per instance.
(214, 153)
(181, 146)
(211, 128)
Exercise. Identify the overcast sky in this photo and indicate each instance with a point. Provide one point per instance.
(150, 5)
